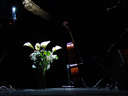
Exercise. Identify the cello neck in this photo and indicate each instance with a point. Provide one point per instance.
(72, 37)
(65, 24)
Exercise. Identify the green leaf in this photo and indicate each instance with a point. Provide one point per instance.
(57, 57)
(48, 53)
(40, 63)
(41, 54)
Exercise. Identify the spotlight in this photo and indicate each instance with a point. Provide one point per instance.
(14, 13)
(13, 9)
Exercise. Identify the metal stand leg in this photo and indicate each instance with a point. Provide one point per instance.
(83, 82)
(70, 83)
(107, 73)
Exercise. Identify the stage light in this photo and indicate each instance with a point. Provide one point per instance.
(13, 9)
(14, 13)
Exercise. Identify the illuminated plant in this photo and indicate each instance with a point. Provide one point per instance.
(41, 57)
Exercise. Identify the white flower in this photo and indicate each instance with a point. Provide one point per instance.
(33, 66)
(29, 45)
(48, 66)
(54, 56)
(44, 44)
(33, 56)
(37, 46)
(56, 48)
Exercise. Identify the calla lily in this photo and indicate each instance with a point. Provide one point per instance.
(41, 57)
(56, 48)
(29, 45)
(37, 46)
(44, 44)
(54, 56)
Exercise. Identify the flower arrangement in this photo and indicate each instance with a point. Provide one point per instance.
(41, 57)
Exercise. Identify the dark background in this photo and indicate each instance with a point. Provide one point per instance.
(95, 25)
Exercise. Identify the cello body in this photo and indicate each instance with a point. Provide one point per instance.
(73, 62)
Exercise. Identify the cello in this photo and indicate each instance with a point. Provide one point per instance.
(73, 66)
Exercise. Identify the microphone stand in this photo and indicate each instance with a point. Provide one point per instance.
(109, 50)
(114, 44)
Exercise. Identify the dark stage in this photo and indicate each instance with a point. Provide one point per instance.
(100, 34)
(64, 92)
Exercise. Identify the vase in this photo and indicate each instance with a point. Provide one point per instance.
(41, 83)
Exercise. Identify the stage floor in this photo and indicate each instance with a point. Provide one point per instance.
(64, 92)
